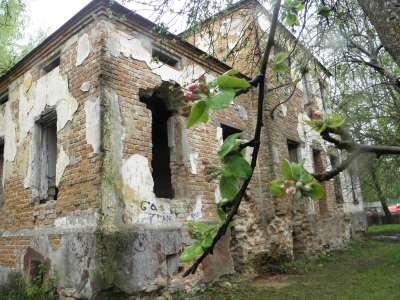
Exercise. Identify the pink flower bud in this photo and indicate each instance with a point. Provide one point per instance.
(202, 76)
(203, 87)
(204, 161)
(288, 182)
(317, 122)
(316, 113)
(206, 178)
(192, 87)
(190, 96)
(290, 191)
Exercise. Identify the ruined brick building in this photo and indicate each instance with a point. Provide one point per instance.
(99, 175)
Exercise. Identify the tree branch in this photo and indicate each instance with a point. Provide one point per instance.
(256, 140)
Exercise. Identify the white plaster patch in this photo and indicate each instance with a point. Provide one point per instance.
(166, 72)
(65, 111)
(83, 49)
(93, 130)
(133, 47)
(284, 109)
(62, 163)
(234, 27)
(10, 147)
(85, 86)
(193, 168)
(25, 106)
(264, 22)
(197, 213)
(71, 221)
(219, 136)
(141, 205)
(13, 85)
(217, 194)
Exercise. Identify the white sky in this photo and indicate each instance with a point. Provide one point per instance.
(53, 13)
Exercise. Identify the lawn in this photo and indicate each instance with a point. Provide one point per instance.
(368, 269)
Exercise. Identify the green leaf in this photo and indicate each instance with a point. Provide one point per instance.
(228, 144)
(199, 113)
(300, 7)
(200, 227)
(280, 68)
(275, 187)
(311, 123)
(223, 202)
(317, 191)
(292, 19)
(192, 252)
(335, 121)
(236, 166)
(296, 170)
(231, 224)
(221, 214)
(207, 242)
(228, 186)
(225, 81)
(280, 57)
(231, 72)
(305, 176)
(222, 99)
(286, 170)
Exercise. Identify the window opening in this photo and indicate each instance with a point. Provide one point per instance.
(229, 130)
(51, 64)
(47, 159)
(293, 148)
(160, 152)
(165, 58)
(3, 97)
(322, 90)
(306, 80)
(336, 180)
(36, 277)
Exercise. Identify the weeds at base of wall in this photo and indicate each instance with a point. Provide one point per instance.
(38, 290)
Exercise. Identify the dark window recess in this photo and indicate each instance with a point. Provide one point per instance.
(35, 276)
(161, 152)
(165, 58)
(3, 97)
(229, 130)
(293, 147)
(50, 65)
(322, 90)
(47, 161)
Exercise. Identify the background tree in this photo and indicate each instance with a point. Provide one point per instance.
(14, 43)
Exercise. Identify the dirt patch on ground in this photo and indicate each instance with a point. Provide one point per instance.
(387, 237)
(276, 281)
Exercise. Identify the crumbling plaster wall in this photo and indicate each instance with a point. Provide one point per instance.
(60, 231)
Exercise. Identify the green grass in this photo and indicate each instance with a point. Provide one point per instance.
(384, 228)
(368, 269)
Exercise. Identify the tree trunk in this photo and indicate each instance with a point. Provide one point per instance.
(381, 197)
(385, 16)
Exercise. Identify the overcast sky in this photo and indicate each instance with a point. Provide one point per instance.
(53, 13)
